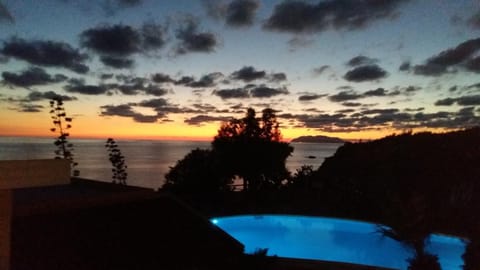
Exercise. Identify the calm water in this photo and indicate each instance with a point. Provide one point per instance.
(332, 239)
(147, 161)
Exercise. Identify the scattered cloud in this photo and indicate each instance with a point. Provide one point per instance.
(248, 74)
(405, 66)
(31, 77)
(310, 97)
(472, 100)
(117, 62)
(232, 93)
(162, 78)
(5, 15)
(365, 73)
(361, 60)
(79, 86)
(191, 40)
(447, 61)
(267, 92)
(117, 43)
(46, 53)
(49, 95)
(320, 70)
(29, 108)
(300, 16)
(199, 120)
(236, 13)
(241, 13)
(474, 20)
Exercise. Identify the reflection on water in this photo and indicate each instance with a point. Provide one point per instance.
(333, 240)
(147, 161)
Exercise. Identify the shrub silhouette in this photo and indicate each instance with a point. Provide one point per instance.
(119, 170)
(61, 125)
(249, 148)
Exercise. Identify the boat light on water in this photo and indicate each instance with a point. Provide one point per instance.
(331, 239)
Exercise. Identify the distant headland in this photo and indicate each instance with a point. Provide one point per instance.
(318, 139)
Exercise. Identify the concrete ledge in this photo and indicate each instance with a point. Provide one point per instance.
(33, 173)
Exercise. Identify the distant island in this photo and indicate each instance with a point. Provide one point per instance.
(318, 139)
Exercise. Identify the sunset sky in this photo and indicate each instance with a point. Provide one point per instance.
(355, 69)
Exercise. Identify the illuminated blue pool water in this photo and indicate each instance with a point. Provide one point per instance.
(332, 240)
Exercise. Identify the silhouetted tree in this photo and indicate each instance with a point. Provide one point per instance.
(61, 125)
(197, 172)
(119, 170)
(302, 177)
(251, 149)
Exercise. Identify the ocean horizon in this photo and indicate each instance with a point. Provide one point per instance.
(148, 160)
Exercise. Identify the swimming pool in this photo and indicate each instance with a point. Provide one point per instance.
(332, 239)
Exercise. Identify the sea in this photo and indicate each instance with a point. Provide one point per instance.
(147, 160)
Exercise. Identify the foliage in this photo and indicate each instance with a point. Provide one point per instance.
(197, 172)
(251, 149)
(471, 257)
(302, 178)
(119, 170)
(424, 261)
(61, 125)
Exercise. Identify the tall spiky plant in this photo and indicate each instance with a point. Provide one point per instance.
(119, 170)
(61, 125)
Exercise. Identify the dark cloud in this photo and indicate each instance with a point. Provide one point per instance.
(472, 100)
(361, 60)
(267, 92)
(320, 70)
(131, 85)
(345, 96)
(379, 92)
(474, 21)
(301, 16)
(445, 102)
(405, 66)
(5, 15)
(153, 103)
(473, 64)
(447, 60)
(241, 13)
(126, 110)
(162, 78)
(345, 121)
(46, 53)
(116, 40)
(310, 97)
(216, 9)
(277, 77)
(248, 74)
(117, 62)
(232, 93)
(79, 86)
(185, 80)
(236, 13)
(191, 40)
(208, 80)
(29, 108)
(106, 76)
(49, 95)
(116, 43)
(155, 90)
(352, 104)
(30, 77)
(202, 119)
(365, 73)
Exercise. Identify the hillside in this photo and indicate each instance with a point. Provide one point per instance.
(318, 139)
